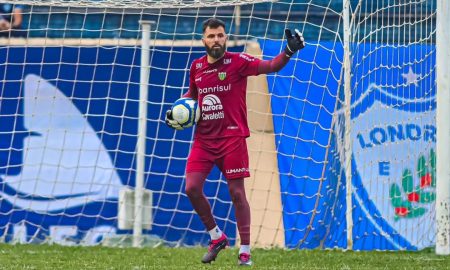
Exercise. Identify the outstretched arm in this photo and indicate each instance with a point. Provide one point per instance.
(274, 65)
(294, 44)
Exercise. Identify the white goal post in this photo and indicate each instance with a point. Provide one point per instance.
(443, 131)
(348, 147)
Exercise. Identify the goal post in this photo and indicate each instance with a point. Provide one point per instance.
(142, 132)
(443, 131)
(347, 69)
(348, 141)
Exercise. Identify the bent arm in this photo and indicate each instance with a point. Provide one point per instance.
(192, 92)
(274, 65)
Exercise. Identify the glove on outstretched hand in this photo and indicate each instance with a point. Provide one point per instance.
(294, 43)
(171, 122)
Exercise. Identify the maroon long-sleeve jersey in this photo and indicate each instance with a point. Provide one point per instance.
(220, 89)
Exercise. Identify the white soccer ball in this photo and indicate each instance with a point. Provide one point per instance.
(186, 112)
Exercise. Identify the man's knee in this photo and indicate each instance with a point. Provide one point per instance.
(238, 195)
(193, 191)
(194, 184)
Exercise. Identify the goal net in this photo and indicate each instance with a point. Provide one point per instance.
(342, 146)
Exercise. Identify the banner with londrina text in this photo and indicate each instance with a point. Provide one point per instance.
(393, 136)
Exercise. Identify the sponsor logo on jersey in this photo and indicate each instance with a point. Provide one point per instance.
(212, 108)
(246, 57)
(214, 89)
(198, 65)
(210, 71)
(227, 61)
(222, 75)
(238, 170)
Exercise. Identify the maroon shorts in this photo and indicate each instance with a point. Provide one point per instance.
(229, 154)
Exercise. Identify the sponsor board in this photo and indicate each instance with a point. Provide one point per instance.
(393, 145)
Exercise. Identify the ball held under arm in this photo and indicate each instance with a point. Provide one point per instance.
(171, 122)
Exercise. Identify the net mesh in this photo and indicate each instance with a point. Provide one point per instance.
(69, 122)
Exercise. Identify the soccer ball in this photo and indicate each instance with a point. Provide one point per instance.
(186, 112)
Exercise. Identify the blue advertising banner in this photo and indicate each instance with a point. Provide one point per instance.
(393, 136)
(303, 102)
(68, 134)
(394, 139)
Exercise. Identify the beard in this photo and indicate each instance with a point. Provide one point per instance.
(216, 52)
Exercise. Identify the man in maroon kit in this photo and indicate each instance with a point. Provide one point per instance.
(218, 81)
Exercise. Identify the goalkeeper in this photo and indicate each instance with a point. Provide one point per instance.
(218, 81)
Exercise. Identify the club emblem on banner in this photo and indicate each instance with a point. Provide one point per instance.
(409, 197)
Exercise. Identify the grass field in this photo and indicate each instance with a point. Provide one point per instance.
(58, 257)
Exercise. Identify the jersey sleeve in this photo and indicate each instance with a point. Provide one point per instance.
(192, 92)
(248, 65)
(274, 65)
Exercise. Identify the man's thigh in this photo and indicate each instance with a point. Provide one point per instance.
(235, 162)
(199, 159)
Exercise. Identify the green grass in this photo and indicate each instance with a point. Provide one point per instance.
(58, 257)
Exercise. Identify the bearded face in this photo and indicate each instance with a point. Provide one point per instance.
(216, 51)
(215, 40)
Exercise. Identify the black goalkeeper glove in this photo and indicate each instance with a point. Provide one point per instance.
(294, 43)
(171, 122)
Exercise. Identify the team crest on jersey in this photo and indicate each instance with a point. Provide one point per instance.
(222, 75)
(227, 61)
(198, 65)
